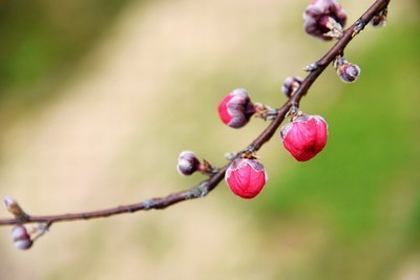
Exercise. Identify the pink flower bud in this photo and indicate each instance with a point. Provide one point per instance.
(236, 108)
(348, 72)
(322, 16)
(246, 177)
(188, 163)
(290, 85)
(21, 238)
(305, 136)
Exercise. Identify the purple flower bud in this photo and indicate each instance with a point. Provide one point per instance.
(236, 108)
(348, 72)
(290, 85)
(21, 239)
(323, 16)
(188, 163)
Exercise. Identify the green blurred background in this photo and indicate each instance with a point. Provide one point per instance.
(97, 98)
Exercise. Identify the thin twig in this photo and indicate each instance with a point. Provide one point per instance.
(206, 186)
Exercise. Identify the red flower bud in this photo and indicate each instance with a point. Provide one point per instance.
(21, 239)
(290, 85)
(236, 108)
(322, 16)
(305, 136)
(348, 72)
(246, 177)
(188, 163)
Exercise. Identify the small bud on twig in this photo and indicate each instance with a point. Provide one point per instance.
(236, 108)
(188, 163)
(346, 71)
(14, 208)
(21, 239)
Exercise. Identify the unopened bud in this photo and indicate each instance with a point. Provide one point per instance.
(236, 108)
(324, 19)
(246, 177)
(305, 136)
(21, 239)
(188, 163)
(290, 85)
(13, 207)
(348, 72)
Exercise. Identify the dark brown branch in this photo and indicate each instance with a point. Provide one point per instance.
(206, 186)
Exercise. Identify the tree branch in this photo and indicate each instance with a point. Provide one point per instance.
(206, 186)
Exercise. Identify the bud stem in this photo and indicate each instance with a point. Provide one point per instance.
(206, 168)
(264, 112)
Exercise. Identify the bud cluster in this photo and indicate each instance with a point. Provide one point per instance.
(303, 137)
(306, 135)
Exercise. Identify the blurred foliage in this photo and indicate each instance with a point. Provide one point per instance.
(38, 43)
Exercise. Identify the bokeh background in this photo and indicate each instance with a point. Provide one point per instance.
(97, 98)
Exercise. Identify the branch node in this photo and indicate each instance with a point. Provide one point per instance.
(199, 191)
(358, 27)
(311, 67)
(148, 204)
(250, 149)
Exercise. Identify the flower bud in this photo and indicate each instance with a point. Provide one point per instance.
(14, 208)
(188, 163)
(246, 177)
(323, 16)
(21, 239)
(290, 85)
(305, 136)
(348, 72)
(236, 108)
